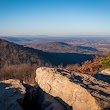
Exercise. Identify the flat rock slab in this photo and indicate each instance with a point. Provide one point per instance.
(11, 92)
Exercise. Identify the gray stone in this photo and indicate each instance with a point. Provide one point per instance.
(11, 91)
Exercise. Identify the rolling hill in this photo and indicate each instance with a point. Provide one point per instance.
(11, 53)
(60, 47)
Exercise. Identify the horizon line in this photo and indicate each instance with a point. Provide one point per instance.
(44, 35)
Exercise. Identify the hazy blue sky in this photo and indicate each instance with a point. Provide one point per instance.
(54, 17)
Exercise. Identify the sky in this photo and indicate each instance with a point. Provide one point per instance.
(55, 17)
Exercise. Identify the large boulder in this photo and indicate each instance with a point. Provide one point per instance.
(53, 83)
(12, 93)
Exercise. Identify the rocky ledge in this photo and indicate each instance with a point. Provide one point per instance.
(56, 89)
(76, 89)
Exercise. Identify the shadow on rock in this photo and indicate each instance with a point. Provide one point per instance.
(11, 95)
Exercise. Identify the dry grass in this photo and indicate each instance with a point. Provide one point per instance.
(72, 67)
(23, 72)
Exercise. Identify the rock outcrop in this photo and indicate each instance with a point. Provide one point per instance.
(55, 84)
(17, 95)
(104, 75)
(57, 89)
(12, 93)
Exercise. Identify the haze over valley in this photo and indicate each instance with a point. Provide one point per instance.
(76, 44)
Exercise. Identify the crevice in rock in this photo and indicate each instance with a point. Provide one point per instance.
(30, 99)
(36, 99)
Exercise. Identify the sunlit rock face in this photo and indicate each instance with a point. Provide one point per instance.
(50, 80)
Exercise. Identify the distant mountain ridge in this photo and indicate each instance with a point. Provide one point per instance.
(11, 53)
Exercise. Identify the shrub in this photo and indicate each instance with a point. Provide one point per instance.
(105, 61)
(72, 67)
(90, 67)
